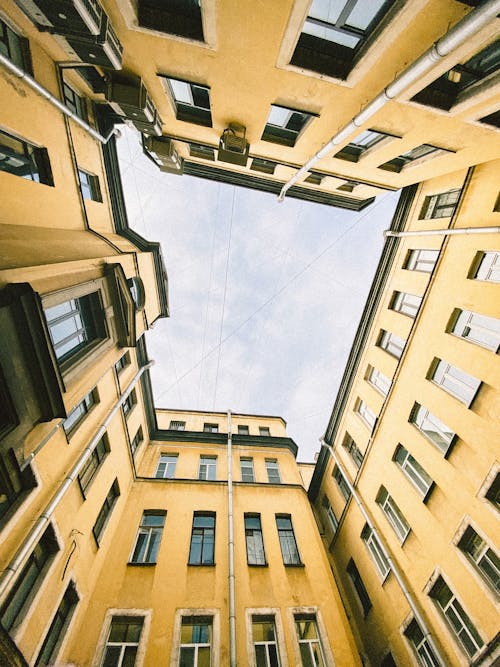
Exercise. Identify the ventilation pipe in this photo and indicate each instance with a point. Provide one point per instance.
(230, 532)
(394, 568)
(44, 518)
(463, 30)
(444, 232)
(30, 81)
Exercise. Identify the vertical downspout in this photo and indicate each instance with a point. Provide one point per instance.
(394, 568)
(230, 531)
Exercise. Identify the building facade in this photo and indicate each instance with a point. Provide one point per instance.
(407, 482)
(118, 521)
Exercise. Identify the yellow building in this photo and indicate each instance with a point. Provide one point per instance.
(407, 482)
(118, 523)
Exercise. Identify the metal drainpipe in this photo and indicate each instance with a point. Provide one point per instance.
(394, 568)
(451, 41)
(44, 517)
(444, 232)
(230, 530)
(21, 74)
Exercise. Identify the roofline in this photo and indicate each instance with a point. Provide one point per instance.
(370, 310)
(218, 412)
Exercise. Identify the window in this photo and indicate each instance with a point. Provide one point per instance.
(265, 166)
(14, 482)
(58, 627)
(393, 514)
(288, 544)
(202, 547)
(456, 382)
(421, 260)
(493, 493)
(74, 101)
(432, 427)
(391, 343)
(458, 621)
(359, 586)
(334, 34)
(14, 47)
(348, 186)
(201, 151)
(166, 466)
(243, 430)
(89, 186)
(129, 403)
(273, 471)
(362, 144)
(149, 537)
(196, 641)
(122, 362)
(123, 641)
(452, 86)
(440, 206)
(210, 428)
(93, 463)
(420, 645)
(254, 540)
(480, 329)
(264, 641)
(79, 412)
(181, 18)
(284, 125)
(105, 511)
(264, 430)
(367, 415)
(492, 119)
(136, 441)
(405, 303)
(246, 467)
(208, 468)
(341, 482)
(486, 266)
(76, 325)
(177, 426)
(413, 471)
(353, 450)
(378, 380)
(413, 157)
(23, 159)
(483, 557)
(375, 550)
(314, 178)
(191, 100)
(311, 651)
(330, 514)
(29, 580)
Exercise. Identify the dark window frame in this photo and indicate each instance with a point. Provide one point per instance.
(15, 47)
(105, 512)
(288, 542)
(183, 19)
(146, 552)
(198, 110)
(58, 627)
(254, 540)
(359, 587)
(288, 133)
(21, 155)
(89, 186)
(206, 535)
(437, 206)
(93, 464)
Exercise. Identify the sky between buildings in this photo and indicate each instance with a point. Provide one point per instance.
(265, 298)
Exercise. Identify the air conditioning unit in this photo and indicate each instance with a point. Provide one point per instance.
(164, 153)
(103, 49)
(153, 128)
(128, 96)
(233, 146)
(63, 17)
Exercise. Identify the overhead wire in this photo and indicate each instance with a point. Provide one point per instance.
(276, 294)
(224, 297)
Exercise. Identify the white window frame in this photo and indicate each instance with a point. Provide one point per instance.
(421, 259)
(476, 328)
(486, 266)
(321, 629)
(272, 466)
(378, 380)
(168, 464)
(309, 642)
(207, 469)
(428, 424)
(405, 303)
(454, 381)
(265, 613)
(414, 472)
(392, 344)
(484, 552)
(393, 514)
(215, 638)
(106, 626)
(246, 466)
(376, 552)
(421, 648)
(150, 532)
(365, 413)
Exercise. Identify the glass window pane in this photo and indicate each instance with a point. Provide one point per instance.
(182, 91)
(364, 12)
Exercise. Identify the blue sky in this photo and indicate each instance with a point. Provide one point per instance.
(265, 297)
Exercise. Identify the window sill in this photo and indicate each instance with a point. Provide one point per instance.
(137, 564)
(300, 565)
(201, 564)
(258, 564)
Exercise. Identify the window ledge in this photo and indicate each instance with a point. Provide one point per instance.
(201, 564)
(258, 564)
(294, 565)
(137, 564)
